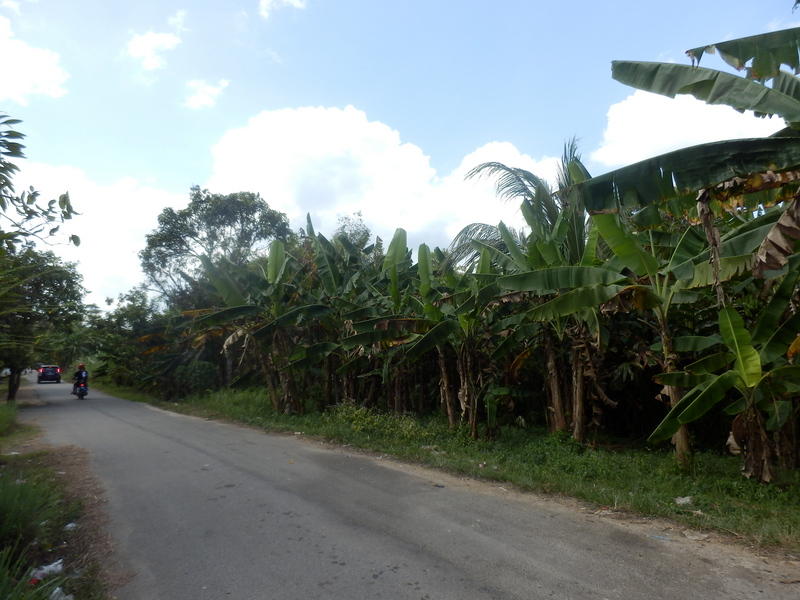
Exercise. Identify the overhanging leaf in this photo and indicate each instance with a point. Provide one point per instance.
(709, 85)
(768, 51)
(686, 171)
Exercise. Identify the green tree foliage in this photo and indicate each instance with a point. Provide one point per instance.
(236, 226)
(354, 229)
(22, 216)
(121, 337)
(39, 295)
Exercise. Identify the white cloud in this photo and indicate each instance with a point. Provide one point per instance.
(32, 71)
(11, 5)
(332, 162)
(177, 21)
(112, 225)
(147, 46)
(265, 7)
(203, 95)
(645, 125)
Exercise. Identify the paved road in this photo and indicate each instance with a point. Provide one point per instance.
(206, 510)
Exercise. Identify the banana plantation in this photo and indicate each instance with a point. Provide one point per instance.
(656, 303)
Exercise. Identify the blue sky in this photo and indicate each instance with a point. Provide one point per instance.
(330, 107)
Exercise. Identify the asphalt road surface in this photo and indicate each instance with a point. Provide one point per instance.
(206, 510)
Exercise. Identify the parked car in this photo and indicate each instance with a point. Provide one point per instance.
(49, 373)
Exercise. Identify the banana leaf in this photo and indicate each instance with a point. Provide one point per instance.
(768, 51)
(744, 240)
(291, 317)
(223, 283)
(397, 251)
(478, 300)
(546, 281)
(747, 363)
(778, 414)
(367, 338)
(519, 258)
(625, 245)
(708, 85)
(326, 267)
(782, 378)
(226, 315)
(437, 336)
(276, 262)
(311, 355)
(590, 249)
(694, 343)
(771, 314)
(686, 171)
(710, 364)
(781, 339)
(670, 425)
(711, 393)
(728, 268)
(424, 269)
(682, 379)
(574, 301)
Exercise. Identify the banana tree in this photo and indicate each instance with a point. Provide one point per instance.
(757, 367)
(698, 184)
(558, 237)
(473, 319)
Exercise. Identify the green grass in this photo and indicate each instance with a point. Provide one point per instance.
(33, 516)
(638, 481)
(8, 413)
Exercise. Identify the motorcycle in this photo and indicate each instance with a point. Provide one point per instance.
(82, 390)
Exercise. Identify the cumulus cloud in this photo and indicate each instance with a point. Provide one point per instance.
(645, 125)
(148, 47)
(265, 7)
(33, 71)
(203, 95)
(112, 225)
(330, 162)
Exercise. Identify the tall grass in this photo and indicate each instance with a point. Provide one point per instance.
(28, 509)
(8, 412)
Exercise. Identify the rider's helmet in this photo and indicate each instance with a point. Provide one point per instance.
(81, 366)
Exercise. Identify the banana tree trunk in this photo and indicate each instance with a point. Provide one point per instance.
(446, 390)
(268, 370)
(557, 420)
(466, 392)
(750, 433)
(683, 446)
(578, 393)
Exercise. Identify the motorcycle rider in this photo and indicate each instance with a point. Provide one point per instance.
(81, 376)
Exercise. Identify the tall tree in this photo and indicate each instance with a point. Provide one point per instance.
(38, 294)
(234, 226)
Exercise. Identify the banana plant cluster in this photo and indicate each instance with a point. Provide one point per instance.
(698, 229)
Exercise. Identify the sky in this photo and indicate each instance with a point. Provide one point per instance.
(331, 107)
